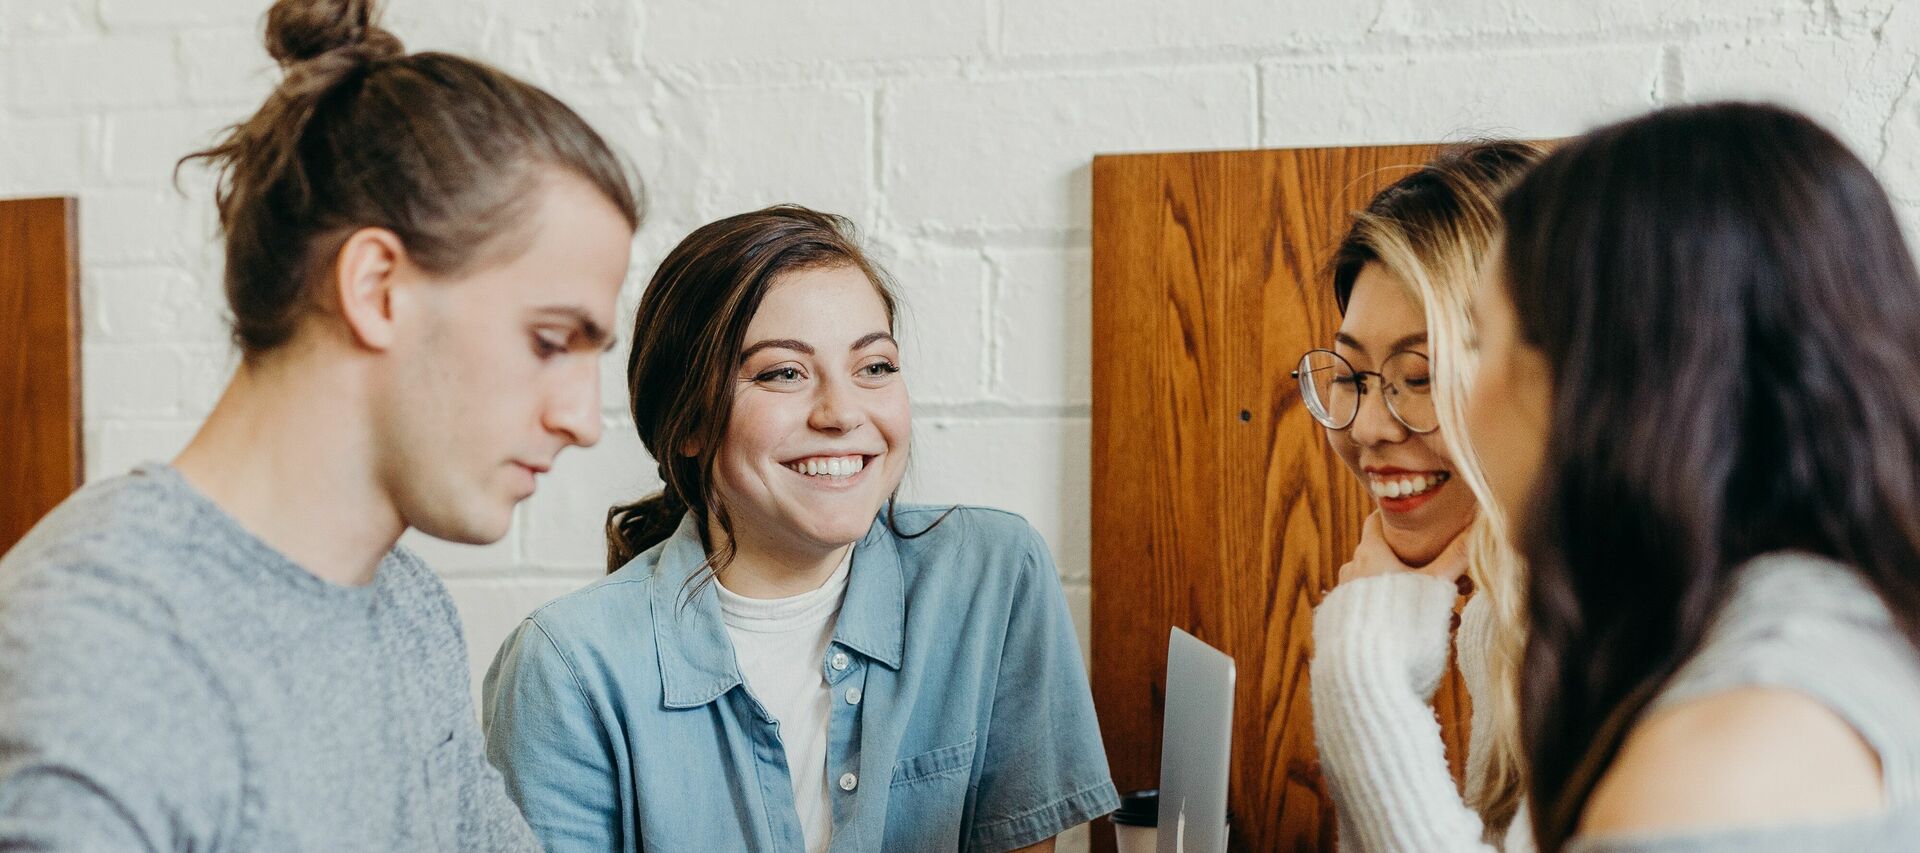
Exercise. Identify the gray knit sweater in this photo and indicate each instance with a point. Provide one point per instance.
(170, 682)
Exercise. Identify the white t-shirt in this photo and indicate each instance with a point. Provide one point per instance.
(781, 644)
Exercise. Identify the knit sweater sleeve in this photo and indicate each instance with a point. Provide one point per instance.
(1380, 649)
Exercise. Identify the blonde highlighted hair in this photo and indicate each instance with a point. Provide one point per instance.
(1434, 230)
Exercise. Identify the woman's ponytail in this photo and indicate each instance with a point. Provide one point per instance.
(635, 527)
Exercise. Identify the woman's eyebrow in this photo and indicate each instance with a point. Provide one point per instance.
(781, 343)
(870, 339)
(1401, 344)
(1407, 341)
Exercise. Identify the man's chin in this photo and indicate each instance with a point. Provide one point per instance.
(467, 531)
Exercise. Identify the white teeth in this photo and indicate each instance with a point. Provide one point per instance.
(1404, 486)
(838, 467)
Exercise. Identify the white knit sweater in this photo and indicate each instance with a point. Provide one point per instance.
(1380, 649)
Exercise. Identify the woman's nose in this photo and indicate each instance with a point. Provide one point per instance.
(1374, 423)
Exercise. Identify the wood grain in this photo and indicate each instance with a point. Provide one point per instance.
(39, 361)
(1217, 504)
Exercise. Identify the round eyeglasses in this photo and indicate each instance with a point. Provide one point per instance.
(1332, 389)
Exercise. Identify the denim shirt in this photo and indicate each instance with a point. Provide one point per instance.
(961, 719)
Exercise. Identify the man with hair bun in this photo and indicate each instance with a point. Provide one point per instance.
(229, 651)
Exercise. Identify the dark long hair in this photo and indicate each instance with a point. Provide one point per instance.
(439, 149)
(1729, 314)
(687, 336)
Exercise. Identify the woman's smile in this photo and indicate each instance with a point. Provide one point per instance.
(1402, 491)
(831, 472)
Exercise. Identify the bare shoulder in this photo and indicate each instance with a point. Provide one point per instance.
(1739, 758)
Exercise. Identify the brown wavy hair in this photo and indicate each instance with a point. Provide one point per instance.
(441, 150)
(687, 337)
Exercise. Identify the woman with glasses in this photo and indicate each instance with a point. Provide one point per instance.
(1387, 391)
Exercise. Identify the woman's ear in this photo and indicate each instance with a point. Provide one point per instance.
(362, 283)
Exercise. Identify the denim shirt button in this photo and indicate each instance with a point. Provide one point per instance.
(839, 662)
(853, 695)
(848, 781)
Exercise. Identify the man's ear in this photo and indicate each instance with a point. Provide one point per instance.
(363, 279)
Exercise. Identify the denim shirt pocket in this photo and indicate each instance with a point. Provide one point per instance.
(928, 798)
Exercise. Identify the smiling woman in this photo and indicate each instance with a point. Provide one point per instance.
(817, 441)
(782, 656)
(1389, 395)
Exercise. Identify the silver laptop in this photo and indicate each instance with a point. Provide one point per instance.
(1195, 743)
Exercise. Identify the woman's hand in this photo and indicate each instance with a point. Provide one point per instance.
(1374, 557)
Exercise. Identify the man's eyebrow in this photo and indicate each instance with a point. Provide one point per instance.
(781, 343)
(592, 331)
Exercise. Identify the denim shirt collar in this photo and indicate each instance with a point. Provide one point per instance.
(697, 663)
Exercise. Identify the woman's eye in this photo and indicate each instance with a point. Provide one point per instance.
(779, 374)
(1349, 379)
(548, 346)
(880, 368)
(1417, 381)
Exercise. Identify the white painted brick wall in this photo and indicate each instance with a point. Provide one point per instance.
(140, 15)
(1851, 90)
(1043, 325)
(1594, 21)
(53, 74)
(957, 134)
(48, 156)
(808, 146)
(1426, 97)
(1067, 27)
(942, 293)
(712, 32)
(1014, 151)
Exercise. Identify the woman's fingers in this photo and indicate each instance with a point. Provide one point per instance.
(1373, 541)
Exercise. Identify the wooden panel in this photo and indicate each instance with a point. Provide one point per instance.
(39, 361)
(1218, 506)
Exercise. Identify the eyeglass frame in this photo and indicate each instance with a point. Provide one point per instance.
(1385, 399)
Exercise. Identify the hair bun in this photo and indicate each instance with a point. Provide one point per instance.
(299, 30)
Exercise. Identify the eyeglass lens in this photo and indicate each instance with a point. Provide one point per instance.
(1333, 389)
